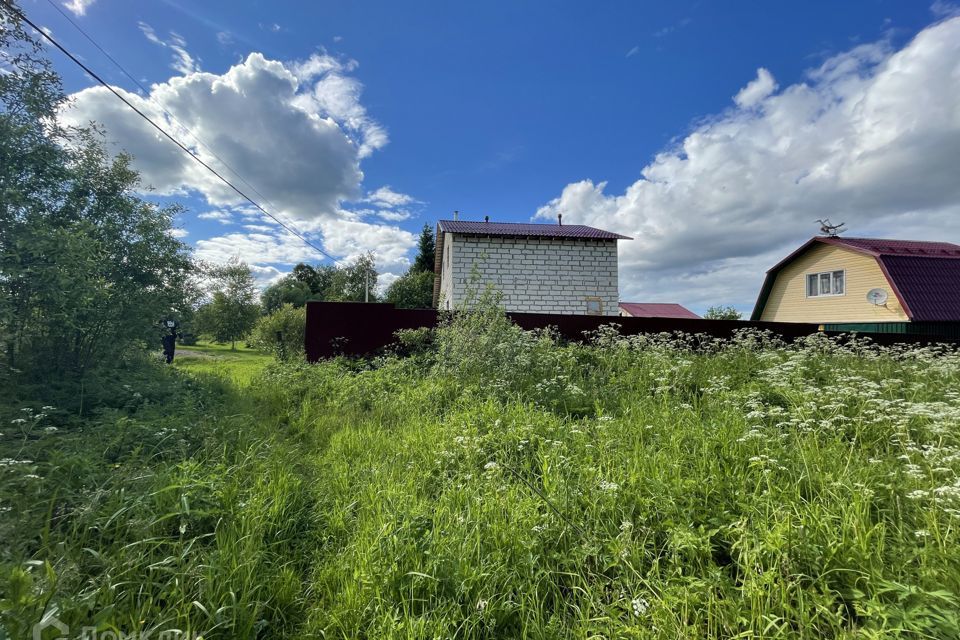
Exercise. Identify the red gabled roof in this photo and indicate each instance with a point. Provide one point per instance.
(657, 310)
(928, 288)
(522, 229)
(880, 247)
(925, 276)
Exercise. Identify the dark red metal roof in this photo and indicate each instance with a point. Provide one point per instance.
(879, 247)
(925, 276)
(657, 310)
(521, 229)
(929, 288)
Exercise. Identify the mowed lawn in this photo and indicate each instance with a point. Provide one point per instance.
(238, 365)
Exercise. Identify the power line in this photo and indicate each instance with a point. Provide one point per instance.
(148, 94)
(18, 13)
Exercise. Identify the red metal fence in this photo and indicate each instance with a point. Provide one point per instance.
(358, 328)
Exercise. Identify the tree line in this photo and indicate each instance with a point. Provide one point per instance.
(356, 282)
(233, 311)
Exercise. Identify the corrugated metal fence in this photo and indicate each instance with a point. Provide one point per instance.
(358, 329)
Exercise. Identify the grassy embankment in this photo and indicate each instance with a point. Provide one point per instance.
(497, 484)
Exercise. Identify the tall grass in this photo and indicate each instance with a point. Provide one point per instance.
(497, 483)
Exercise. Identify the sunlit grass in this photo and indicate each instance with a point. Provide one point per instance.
(496, 484)
(240, 365)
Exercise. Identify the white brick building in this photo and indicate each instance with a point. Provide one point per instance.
(539, 268)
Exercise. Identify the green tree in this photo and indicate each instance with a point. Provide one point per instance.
(87, 268)
(413, 290)
(287, 290)
(233, 309)
(318, 279)
(721, 312)
(426, 251)
(351, 282)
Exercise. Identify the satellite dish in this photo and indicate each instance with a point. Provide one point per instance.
(877, 297)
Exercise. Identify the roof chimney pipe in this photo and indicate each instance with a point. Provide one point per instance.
(560, 219)
(486, 218)
(456, 214)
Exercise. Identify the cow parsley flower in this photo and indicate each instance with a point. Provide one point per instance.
(640, 606)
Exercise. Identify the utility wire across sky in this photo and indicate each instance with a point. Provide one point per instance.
(286, 226)
(148, 95)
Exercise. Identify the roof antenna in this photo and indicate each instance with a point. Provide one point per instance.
(486, 218)
(831, 230)
(560, 219)
(456, 214)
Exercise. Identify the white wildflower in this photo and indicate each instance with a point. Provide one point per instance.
(609, 487)
(640, 606)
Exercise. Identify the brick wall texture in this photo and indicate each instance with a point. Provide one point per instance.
(535, 275)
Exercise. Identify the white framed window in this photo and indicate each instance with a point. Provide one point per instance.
(594, 306)
(826, 283)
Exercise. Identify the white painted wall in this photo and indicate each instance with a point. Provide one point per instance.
(535, 275)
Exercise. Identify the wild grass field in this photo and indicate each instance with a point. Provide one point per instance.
(484, 482)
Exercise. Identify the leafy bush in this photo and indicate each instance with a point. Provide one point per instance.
(413, 290)
(289, 323)
(721, 312)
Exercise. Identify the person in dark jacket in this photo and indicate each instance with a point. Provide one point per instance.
(169, 342)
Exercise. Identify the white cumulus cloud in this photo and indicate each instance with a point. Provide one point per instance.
(758, 89)
(303, 162)
(387, 197)
(78, 7)
(295, 131)
(871, 137)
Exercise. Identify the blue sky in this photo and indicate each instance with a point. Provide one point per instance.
(360, 121)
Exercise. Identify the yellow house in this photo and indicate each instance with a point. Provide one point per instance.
(866, 284)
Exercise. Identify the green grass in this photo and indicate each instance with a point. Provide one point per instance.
(497, 484)
(240, 365)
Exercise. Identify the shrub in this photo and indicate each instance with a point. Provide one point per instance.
(281, 333)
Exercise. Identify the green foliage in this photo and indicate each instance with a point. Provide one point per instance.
(426, 252)
(353, 282)
(346, 283)
(289, 322)
(720, 312)
(88, 267)
(413, 290)
(744, 488)
(233, 310)
(317, 278)
(288, 290)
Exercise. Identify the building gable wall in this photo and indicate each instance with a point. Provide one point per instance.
(788, 301)
(535, 275)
